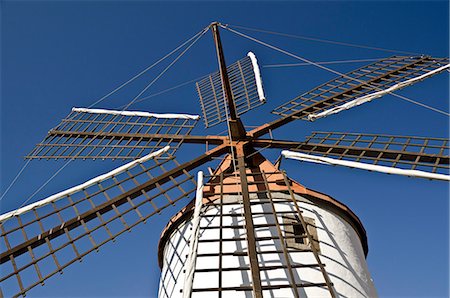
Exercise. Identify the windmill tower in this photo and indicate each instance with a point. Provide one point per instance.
(251, 230)
(307, 244)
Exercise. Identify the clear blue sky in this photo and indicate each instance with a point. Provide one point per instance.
(56, 55)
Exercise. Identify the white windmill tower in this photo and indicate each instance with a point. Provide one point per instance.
(250, 231)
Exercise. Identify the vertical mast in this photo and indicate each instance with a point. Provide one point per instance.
(238, 134)
(236, 127)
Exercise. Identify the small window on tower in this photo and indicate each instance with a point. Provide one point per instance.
(299, 231)
(295, 233)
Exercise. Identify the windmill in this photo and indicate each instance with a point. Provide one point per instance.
(65, 227)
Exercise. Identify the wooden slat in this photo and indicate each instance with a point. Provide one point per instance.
(243, 87)
(148, 194)
(84, 135)
(382, 149)
(368, 79)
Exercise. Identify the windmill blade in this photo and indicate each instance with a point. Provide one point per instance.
(45, 237)
(363, 166)
(362, 85)
(110, 134)
(246, 87)
(430, 155)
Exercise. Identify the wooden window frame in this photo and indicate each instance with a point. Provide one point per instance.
(289, 222)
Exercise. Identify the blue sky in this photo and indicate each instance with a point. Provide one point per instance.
(57, 55)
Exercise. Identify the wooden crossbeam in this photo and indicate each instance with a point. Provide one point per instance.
(357, 83)
(109, 134)
(109, 205)
(301, 111)
(84, 227)
(214, 140)
(413, 159)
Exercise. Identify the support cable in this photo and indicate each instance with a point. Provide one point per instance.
(15, 179)
(146, 69)
(152, 82)
(45, 183)
(326, 68)
(322, 63)
(264, 66)
(423, 105)
(321, 40)
(168, 89)
(196, 37)
(167, 68)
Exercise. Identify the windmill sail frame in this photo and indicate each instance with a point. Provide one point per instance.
(112, 134)
(110, 218)
(346, 89)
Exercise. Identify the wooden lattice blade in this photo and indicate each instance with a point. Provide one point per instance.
(42, 239)
(109, 134)
(429, 155)
(362, 85)
(363, 166)
(246, 86)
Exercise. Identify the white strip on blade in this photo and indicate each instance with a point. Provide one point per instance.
(363, 166)
(370, 97)
(193, 243)
(258, 79)
(136, 113)
(82, 186)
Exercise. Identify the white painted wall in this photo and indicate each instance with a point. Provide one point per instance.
(341, 251)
